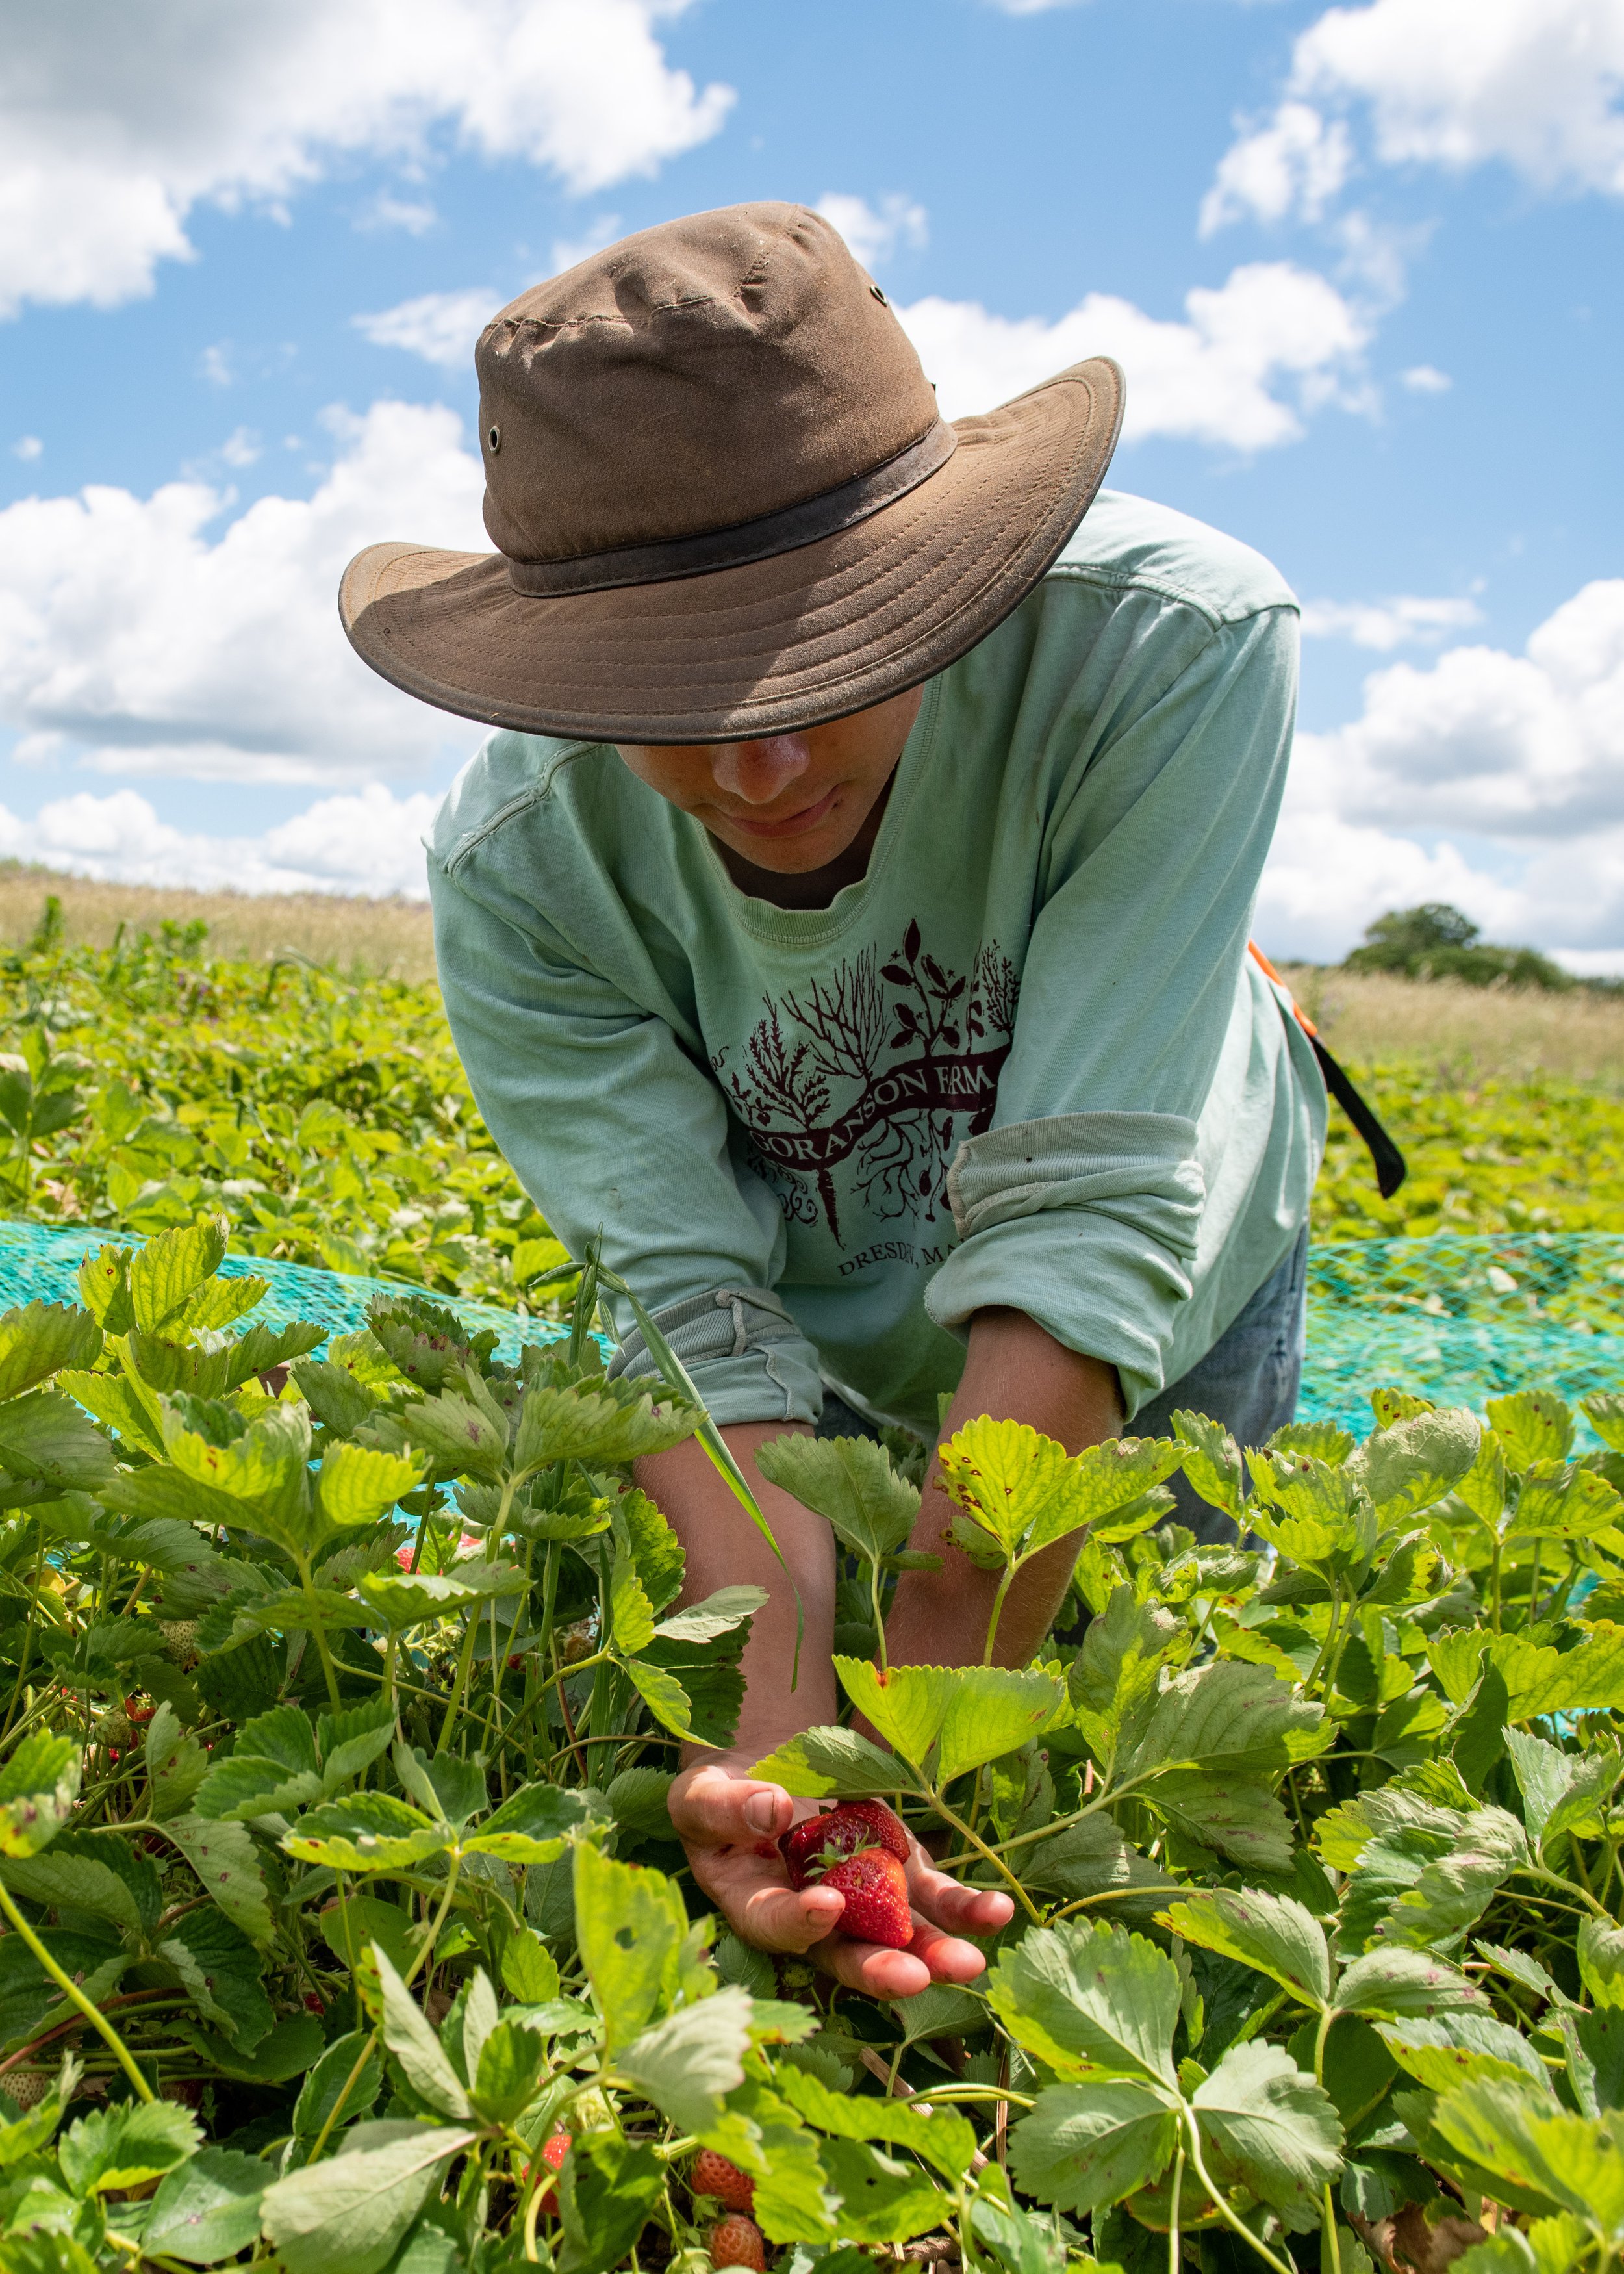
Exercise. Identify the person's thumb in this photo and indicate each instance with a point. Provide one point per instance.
(718, 1808)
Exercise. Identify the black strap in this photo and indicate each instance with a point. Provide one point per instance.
(1390, 1165)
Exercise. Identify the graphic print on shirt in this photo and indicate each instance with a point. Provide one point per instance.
(885, 1066)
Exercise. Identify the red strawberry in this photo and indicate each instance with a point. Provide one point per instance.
(875, 1888)
(714, 2175)
(855, 1824)
(736, 2241)
(553, 2151)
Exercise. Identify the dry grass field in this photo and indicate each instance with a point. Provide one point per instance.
(1459, 1034)
(375, 938)
(1465, 1034)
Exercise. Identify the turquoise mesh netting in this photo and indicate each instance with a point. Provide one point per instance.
(1458, 1320)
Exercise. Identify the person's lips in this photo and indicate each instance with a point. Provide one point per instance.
(789, 824)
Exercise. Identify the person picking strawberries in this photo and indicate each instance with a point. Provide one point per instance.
(846, 922)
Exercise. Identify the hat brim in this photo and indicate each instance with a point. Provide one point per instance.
(769, 646)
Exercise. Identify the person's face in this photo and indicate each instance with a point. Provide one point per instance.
(794, 801)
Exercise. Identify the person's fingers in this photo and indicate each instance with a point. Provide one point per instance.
(945, 1955)
(869, 1968)
(972, 1911)
(760, 1906)
(711, 1808)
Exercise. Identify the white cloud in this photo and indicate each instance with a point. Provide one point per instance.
(27, 448)
(1489, 779)
(416, 215)
(874, 233)
(1386, 624)
(568, 252)
(1295, 164)
(370, 843)
(135, 637)
(1426, 379)
(1534, 84)
(119, 120)
(240, 448)
(440, 327)
(1272, 342)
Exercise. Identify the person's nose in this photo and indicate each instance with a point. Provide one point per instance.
(759, 771)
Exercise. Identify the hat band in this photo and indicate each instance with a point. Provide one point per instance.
(746, 540)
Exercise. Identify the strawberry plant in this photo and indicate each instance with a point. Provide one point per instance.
(344, 1931)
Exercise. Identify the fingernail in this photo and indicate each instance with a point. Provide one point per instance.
(761, 1812)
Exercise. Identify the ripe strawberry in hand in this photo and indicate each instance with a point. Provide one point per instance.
(855, 1824)
(875, 1888)
(714, 2175)
(736, 2241)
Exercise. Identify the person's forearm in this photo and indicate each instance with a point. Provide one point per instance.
(724, 1550)
(1015, 1371)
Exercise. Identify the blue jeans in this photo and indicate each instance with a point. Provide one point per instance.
(1248, 1381)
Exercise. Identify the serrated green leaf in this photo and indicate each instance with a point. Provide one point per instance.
(165, 1272)
(689, 2063)
(993, 1709)
(1395, 1981)
(530, 1826)
(44, 1435)
(209, 2210)
(1083, 2146)
(414, 2044)
(358, 1485)
(882, 2200)
(718, 1615)
(1113, 1679)
(941, 2137)
(1212, 1462)
(224, 1859)
(1267, 2128)
(367, 1831)
(906, 1704)
(607, 2189)
(348, 2214)
(38, 1788)
(851, 1483)
(1562, 2161)
(1532, 1425)
(629, 1922)
(1271, 1933)
(1413, 1463)
(1089, 1999)
(1224, 1712)
(319, 2095)
(824, 1761)
(125, 2145)
(40, 1339)
(1447, 2051)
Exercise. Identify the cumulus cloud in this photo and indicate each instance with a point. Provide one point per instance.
(118, 121)
(440, 327)
(162, 634)
(1534, 84)
(370, 844)
(1251, 357)
(1295, 164)
(1386, 624)
(1490, 779)
(876, 232)
(1426, 379)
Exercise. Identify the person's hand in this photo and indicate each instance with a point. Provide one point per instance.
(730, 1822)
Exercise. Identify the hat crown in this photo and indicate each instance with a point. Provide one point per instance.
(698, 375)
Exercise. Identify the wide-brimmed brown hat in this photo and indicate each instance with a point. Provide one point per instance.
(725, 503)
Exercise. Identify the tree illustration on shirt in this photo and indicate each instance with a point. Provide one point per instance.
(880, 1070)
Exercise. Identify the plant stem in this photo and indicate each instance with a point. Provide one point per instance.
(64, 1982)
(997, 1613)
(1215, 2196)
(301, 1564)
(1175, 2244)
(987, 1854)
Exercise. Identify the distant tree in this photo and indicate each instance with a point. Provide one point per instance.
(1438, 942)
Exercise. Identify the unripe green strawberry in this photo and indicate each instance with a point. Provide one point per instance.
(714, 2175)
(180, 1639)
(27, 2087)
(736, 2241)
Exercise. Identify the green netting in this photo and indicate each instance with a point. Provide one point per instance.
(39, 1262)
(1460, 1320)
(1455, 1319)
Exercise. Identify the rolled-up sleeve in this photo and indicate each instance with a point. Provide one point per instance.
(614, 1130)
(1081, 1206)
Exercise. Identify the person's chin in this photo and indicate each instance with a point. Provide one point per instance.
(792, 856)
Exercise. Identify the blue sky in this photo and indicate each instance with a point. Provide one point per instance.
(1360, 264)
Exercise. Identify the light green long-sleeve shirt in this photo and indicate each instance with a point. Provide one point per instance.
(1026, 1061)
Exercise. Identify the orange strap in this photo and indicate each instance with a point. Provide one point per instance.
(1301, 1016)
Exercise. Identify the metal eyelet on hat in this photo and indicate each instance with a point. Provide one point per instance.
(494, 438)
(879, 296)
